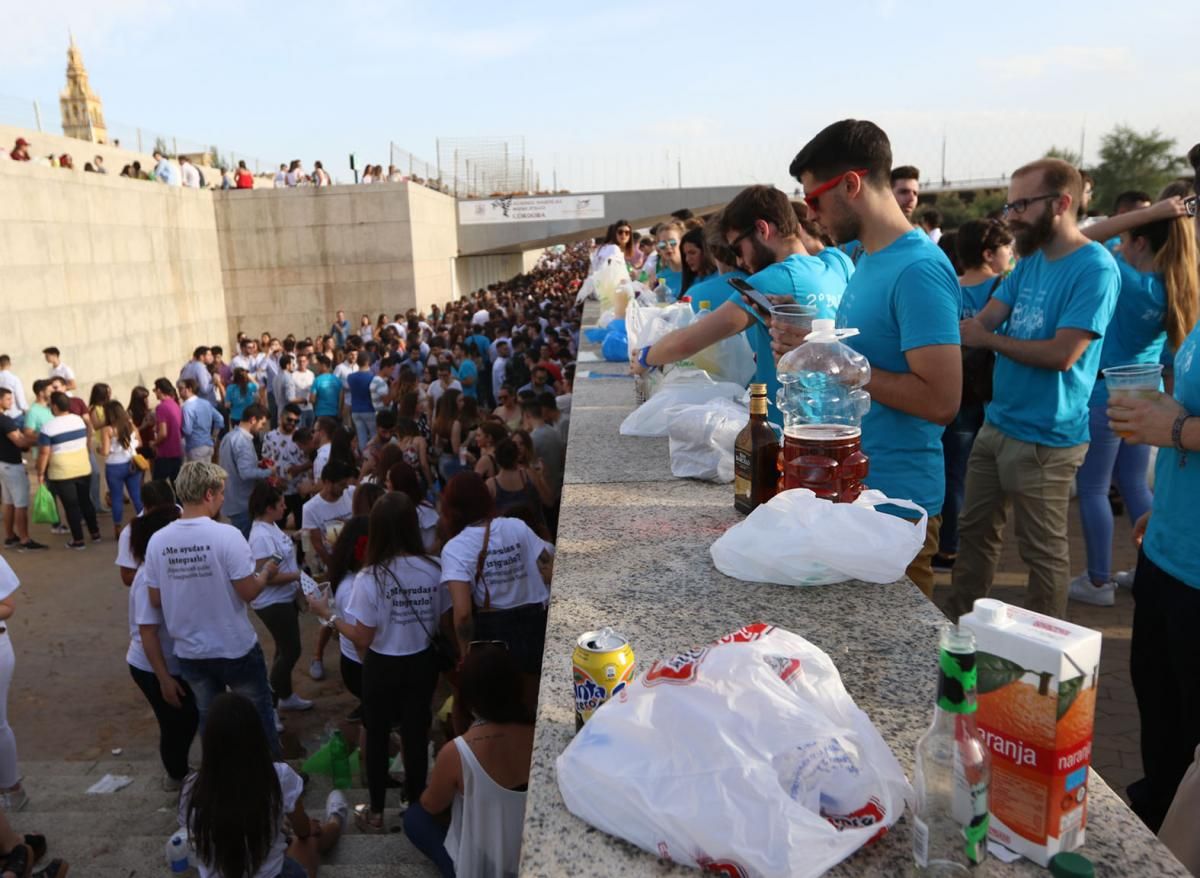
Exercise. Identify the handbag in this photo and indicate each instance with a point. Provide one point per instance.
(445, 651)
(977, 367)
(139, 462)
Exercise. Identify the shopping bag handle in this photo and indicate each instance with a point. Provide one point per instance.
(874, 498)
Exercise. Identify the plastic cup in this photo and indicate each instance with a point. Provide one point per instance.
(789, 312)
(1136, 380)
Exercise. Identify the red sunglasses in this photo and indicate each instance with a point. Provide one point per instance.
(810, 198)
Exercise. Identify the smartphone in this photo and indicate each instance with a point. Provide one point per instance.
(762, 307)
(276, 557)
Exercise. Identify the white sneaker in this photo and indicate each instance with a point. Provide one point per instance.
(14, 800)
(295, 702)
(278, 723)
(1124, 578)
(337, 806)
(1085, 592)
(316, 669)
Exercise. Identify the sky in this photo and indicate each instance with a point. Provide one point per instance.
(622, 94)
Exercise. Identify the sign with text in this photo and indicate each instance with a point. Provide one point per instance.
(525, 210)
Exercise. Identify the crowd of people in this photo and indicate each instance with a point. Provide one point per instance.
(412, 464)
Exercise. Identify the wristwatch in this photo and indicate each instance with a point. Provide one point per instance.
(331, 621)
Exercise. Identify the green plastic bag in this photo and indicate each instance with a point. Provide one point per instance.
(45, 510)
(332, 759)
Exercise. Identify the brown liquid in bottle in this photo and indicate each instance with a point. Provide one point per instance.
(755, 456)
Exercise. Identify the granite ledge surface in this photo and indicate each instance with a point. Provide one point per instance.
(633, 554)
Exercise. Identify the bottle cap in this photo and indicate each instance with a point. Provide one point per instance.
(1071, 865)
(990, 611)
(758, 389)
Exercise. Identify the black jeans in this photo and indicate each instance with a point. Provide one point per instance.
(398, 685)
(283, 621)
(1164, 654)
(176, 725)
(166, 467)
(522, 628)
(352, 677)
(76, 497)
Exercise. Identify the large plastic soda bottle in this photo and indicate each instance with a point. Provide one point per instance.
(177, 852)
(953, 770)
(823, 402)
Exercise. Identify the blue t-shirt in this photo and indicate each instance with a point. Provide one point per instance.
(1136, 333)
(467, 369)
(837, 261)
(976, 296)
(482, 343)
(903, 297)
(714, 289)
(326, 387)
(238, 400)
(359, 384)
(1078, 291)
(853, 250)
(673, 279)
(1172, 538)
(810, 280)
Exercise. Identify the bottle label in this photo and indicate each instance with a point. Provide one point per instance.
(956, 681)
(742, 472)
(920, 842)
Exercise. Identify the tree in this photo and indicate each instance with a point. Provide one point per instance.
(1131, 160)
(1067, 154)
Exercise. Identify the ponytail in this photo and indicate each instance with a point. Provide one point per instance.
(1177, 260)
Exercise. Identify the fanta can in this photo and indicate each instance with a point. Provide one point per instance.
(603, 666)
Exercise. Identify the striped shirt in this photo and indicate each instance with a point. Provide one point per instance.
(66, 436)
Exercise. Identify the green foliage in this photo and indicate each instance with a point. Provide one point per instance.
(956, 210)
(1132, 160)
(1067, 154)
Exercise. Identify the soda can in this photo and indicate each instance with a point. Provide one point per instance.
(603, 666)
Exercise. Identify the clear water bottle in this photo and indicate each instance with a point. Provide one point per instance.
(953, 770)
(178, 852)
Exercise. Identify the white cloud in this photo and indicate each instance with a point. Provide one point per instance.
(1060, 60)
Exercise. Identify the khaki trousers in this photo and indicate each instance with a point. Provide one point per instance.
(1035, 480)
(920, 571)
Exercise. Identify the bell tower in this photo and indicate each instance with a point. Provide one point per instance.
(82, 113)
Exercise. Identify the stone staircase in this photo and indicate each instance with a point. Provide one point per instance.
(122, 835)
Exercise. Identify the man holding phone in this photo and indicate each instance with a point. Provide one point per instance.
(904, 299)
(762, 234)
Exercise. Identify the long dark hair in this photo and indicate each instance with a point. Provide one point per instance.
(242, 379)
(696, 238)
(465, 501)
(490, 686)
(139, 405)
(393, 531)
(116, 417)
(446, 413)
(166, 388)
(346, 557)
(236, 805)
(147, 525)
(101, 394)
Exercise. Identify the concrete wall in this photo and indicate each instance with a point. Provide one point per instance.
(123, 276)
(290, 258)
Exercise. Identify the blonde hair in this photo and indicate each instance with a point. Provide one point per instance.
(196, 478)
(669, 224)
(1176, 260)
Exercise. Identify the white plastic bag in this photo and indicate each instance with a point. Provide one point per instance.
(702, 438)
(646, 323)
(799, 539)
(781, 774)
(730, 359)
(679, 387)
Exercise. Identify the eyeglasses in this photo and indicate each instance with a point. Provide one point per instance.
(737, 242)
(672, 243)
(810, 198)
(291, 422)
(1022, 204)
(622, 231)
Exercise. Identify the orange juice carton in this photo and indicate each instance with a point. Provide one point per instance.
(1037, 701)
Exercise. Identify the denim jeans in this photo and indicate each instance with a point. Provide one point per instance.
(956, 447)
(1109, 457)
(247, 676)
(429, 837)
(122, 477)
(364, 428)
(307, 417)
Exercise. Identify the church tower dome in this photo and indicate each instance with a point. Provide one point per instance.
(82, 112)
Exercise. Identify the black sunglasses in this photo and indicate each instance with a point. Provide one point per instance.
(737, 242)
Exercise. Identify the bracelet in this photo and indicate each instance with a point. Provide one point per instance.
(1177, 437)
(642, 357)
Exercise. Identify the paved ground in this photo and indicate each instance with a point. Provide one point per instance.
(72, 697)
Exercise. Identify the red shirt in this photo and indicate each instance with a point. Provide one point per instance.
(77, 406)
(245, 180)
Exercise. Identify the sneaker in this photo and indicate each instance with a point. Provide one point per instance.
(337, 806)
(14, 800)
(30, 546)
(60, 529)
(295, 702)
(278, 723)
(316, 669)
(10, 542)
(96, 538)
(79, 545)
(1124, 578)
(1085, 592)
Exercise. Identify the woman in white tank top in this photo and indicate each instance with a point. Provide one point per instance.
(469, 819)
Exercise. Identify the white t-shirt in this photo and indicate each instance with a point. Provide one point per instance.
(436, 390)
(124, 552)
(141, 612)
(341, 605)
(265, 541)
(291, 787)
(510, 572)
(118, 453)
(193, 563)
(304, 382)
(427, 518)
(318, 511)
(8, 580)
(342, 371)
(321, 459)
(398, 608)
(480, 317)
